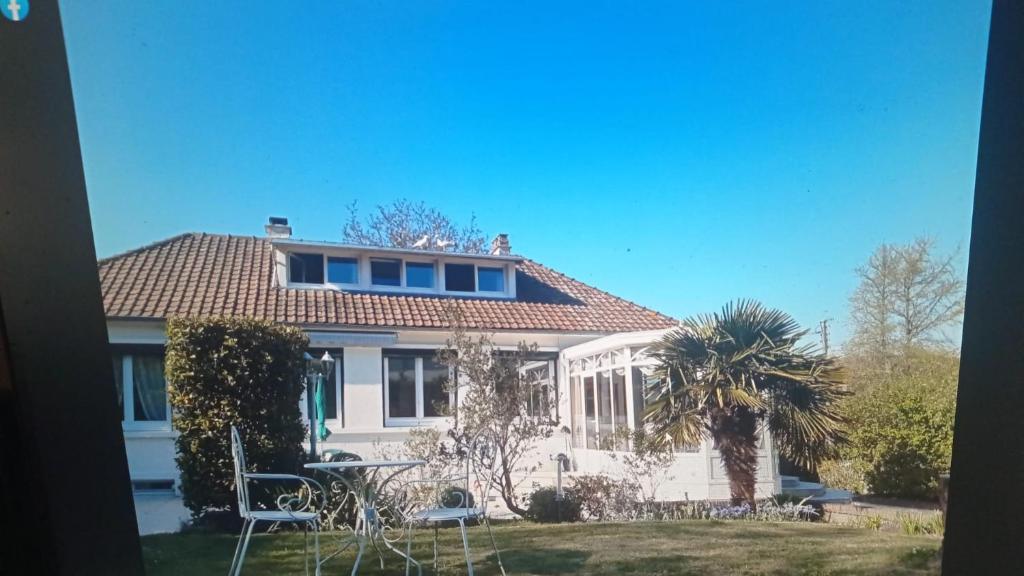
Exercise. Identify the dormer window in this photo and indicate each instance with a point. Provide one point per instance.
(385, 272)
(490, 279)
(459, 278)
(393, 270)
(342, 270)
(306, 268)
(419, 274)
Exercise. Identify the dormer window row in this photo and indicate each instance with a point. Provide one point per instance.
(415, 274)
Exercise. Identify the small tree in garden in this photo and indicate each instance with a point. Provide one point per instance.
(223, 372)
(728, 374)
(495, 400)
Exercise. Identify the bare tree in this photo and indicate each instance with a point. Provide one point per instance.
(907, 297)
(404, 224)
(495, 397)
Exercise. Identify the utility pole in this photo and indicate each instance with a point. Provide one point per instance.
(823, 331)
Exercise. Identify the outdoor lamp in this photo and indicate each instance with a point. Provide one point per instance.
(326, 363)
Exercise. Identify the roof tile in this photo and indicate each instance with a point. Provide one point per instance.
(214, 275)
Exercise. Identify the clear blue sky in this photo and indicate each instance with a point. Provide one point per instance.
(678, 154)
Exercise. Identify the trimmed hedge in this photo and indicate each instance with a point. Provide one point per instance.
(543, 507)
(242, 372)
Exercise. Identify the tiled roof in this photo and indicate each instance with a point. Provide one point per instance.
(216, 275)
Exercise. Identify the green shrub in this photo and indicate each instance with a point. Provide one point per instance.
(602, 497)
(241, 372)
(901, 427)
(544, 508)
(844, 474)
(918, 525)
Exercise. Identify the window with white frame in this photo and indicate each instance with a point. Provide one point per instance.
(538, 373)
(142, 390)
(333, 397)
(415, 388)
(608, 392)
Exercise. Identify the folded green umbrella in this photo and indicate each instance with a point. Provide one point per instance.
(321, 409)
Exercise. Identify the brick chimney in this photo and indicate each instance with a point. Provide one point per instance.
(500, 246)
(278, 227)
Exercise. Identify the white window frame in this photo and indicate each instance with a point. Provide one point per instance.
(504, 279)
(288, 271)
(128, 421)
(327, 280)
(334, 424)
(405, 281)
(420, 418)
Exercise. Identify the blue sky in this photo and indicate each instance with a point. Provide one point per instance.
(679, 154)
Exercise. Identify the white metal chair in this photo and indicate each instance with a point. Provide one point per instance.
(440, 500)
(298, 507)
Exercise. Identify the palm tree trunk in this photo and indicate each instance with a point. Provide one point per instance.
(735, 433)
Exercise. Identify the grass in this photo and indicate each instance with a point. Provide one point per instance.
(664, 548)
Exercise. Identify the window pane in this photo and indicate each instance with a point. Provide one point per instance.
(149, 388)
(576, 402)
(459, 277)
(386, 272)
(588, 396)
(604, 410)
(619, 395)
(402, 386)
(307, 268)
(419, 274)
(343, 270)
(118, 360)
(639, 396)
(435, 376)
(491, 279)
(537, 376)
(330, 390)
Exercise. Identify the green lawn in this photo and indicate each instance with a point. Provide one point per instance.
(691, 547)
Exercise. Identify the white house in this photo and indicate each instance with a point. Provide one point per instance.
(380, 312)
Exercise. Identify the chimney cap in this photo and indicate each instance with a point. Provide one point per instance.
(277, 227)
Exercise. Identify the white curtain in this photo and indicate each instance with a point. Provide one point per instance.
(150, 388)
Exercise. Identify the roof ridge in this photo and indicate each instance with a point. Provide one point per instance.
(605, 292)
(171, 240)
(149, 246)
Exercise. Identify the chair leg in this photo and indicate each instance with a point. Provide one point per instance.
(316, 546)
(408, 548)
(245, 548)
(435, 547)
(305, 546)
(238, 547)
(359, 555)
(487, 524)
(465, 546)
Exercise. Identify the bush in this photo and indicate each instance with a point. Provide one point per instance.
(224, 372)
(844, 474)
(604, 498)
(544, 508)
(902, 435)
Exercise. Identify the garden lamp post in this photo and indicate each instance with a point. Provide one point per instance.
(317, 371)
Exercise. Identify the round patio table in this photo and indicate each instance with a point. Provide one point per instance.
(366, 481)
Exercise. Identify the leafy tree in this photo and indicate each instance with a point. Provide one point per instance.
(403, 223)
(726, 375)
(495, 401)
(901, 433)
(223, 372)
(907, 296)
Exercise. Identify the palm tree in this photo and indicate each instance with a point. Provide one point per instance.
(732, 374)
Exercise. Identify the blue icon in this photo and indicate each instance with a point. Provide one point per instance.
(15, 10)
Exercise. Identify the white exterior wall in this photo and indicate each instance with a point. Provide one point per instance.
(696, 476)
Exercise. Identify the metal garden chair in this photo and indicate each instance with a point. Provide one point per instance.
(435, 501)
(301, 506)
